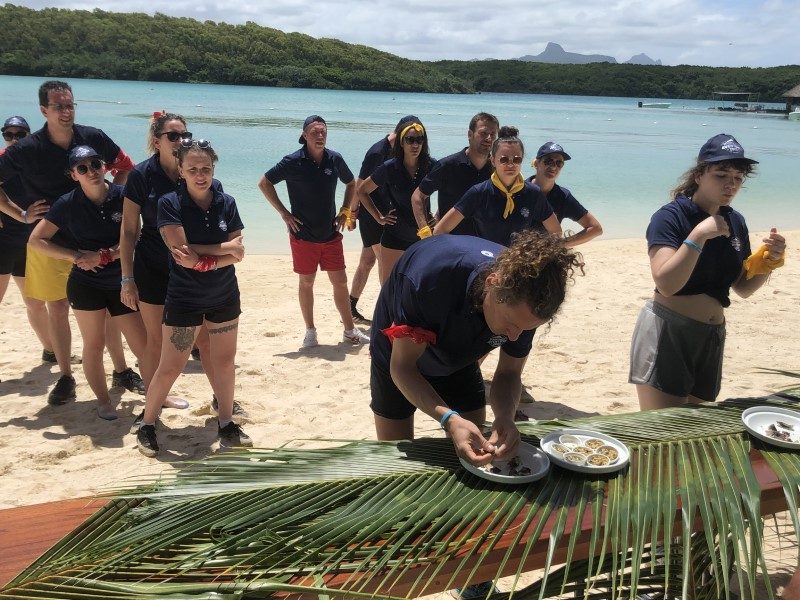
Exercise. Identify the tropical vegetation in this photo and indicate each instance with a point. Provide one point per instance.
(391, 520)
(56, 42)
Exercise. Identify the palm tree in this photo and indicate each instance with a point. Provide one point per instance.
(399, 520)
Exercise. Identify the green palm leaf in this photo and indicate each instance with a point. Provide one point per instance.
(404, 519)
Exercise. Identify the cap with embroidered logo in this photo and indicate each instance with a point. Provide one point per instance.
(721, 147)
(16, 121)
(552, 148)
(81, 153)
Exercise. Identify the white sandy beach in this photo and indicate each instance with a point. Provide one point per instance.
(578, 367)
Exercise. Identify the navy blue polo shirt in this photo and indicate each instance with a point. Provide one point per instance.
(486, 204)
(312, 190)
(564, 204)
(398, 185)
(721, 261)
(452, 176)
(146, 183)
(377, 154)
(91, 227)
(192, 289)
(14, 234)
(43, 165)
(430, 287)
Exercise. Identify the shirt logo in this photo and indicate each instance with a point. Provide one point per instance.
(731, 146)
(525, 212)
(223, 225)
(328, 171)
(116, 216)
(497, 340)
(487, 253)
(736, 243)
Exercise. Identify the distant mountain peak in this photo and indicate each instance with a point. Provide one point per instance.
(555, 53)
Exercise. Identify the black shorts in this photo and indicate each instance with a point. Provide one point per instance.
(369, 228)
(675, 354)
(151, 282)
(394, 241)
(181, 316)
(12, 260)
(86, 297)
(462, 391)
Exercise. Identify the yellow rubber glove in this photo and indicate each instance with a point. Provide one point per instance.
(759, 263)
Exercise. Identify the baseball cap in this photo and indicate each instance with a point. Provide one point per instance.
(723, 146)
(552, 148)
(16, 122)
(309, 120)
(80, 153)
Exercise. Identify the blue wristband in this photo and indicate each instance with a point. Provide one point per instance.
(693, 245)
(446, 417)
(125, 280)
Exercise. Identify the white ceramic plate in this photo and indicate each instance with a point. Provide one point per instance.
(582, 435)
(758, 418)
(529, 456)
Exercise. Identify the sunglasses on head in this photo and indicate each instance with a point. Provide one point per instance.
(8, 136)
(414, 139)
(505, 160)
(553, 162)
(189, 142)
(174, 136)
(95, 165)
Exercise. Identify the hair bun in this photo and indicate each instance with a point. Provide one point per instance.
(508, 131)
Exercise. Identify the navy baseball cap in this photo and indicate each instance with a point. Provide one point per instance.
(81, 153)
(16, 122)
(723, 146)
(307, 122)
(552, 148)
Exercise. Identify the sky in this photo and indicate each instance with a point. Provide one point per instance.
(734, 33)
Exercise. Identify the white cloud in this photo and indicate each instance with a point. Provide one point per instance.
(711, 32)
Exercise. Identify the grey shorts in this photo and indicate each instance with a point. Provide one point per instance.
(676, 354)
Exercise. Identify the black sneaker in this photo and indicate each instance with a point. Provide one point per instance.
(238, 411)
(358, 318)
(232, 436)
(128, 379)
(146, 440)
(137, 422)
(196, 353)
(48, 356)
(63, 391)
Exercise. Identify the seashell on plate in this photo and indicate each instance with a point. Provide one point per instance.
(609, 451)
(570, 439)
(585, 450)
(598, 460)
(560, 449)
(594, 443)
(575, 458)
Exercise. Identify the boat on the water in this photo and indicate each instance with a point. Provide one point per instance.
(794, 115)
(655, 104)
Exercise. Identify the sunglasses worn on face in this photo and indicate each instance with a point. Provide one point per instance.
(63, 107)
(174, 136)
(504, 160)
(95, 165)
(414, 139)
(189, 142)
(552, 162)
(8, 136)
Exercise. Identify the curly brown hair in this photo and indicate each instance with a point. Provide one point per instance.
(534, 270)
(687, 185)
(157, 123)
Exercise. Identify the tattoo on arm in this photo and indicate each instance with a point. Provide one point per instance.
(182, 338)
(230, 327)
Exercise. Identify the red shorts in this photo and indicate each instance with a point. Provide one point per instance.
(307, 256)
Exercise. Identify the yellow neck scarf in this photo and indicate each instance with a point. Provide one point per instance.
(518, 184)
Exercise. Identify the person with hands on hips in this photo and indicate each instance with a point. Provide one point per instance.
(449, 301)
(699, 250)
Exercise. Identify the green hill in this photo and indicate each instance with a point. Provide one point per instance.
(71, 43)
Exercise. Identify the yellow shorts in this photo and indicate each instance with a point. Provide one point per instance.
(46, 277)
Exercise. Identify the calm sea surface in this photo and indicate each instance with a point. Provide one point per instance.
(624, 159)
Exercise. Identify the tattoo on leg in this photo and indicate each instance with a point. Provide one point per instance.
(182, 338)
(230, 327)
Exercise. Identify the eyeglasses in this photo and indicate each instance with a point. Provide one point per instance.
(63, 107)
(552, 162)
(504, 160)
(189, 142)
(95, 165)
(8, 135)
(414, 139)
(174, 136)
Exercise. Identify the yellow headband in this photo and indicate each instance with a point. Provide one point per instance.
(415, 127)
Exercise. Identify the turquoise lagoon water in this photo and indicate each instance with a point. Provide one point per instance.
(625, 159)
